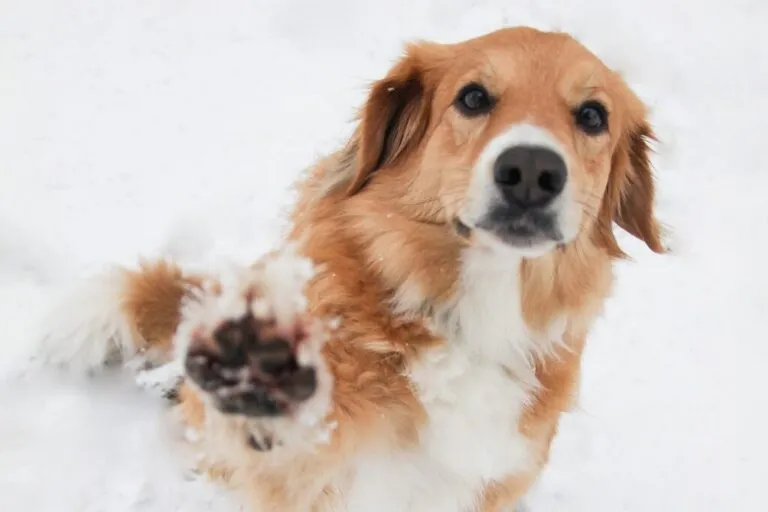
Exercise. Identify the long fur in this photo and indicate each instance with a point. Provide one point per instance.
(451, 363)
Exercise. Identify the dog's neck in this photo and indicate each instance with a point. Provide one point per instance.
(495, 303)
(502, 306)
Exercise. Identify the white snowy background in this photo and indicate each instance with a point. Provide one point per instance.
(176, 127)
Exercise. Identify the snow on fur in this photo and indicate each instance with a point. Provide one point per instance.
(131, 126)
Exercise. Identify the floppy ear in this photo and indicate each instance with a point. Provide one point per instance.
(636, 205)
(393, 120)
(630, 194)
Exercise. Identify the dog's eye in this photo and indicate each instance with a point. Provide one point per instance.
(474, 100)
(591, 117)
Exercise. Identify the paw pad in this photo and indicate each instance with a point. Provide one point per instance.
(249, 367)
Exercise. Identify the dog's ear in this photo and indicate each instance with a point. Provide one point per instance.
(630, 193)
(635, 213)
(394, 119)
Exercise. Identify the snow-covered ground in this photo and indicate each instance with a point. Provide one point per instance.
(176, 127)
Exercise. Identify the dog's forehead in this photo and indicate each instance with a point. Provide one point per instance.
(534, 56)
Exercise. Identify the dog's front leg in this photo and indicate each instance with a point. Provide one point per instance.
(278, 407)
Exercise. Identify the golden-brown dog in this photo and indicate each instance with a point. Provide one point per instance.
(414, 345)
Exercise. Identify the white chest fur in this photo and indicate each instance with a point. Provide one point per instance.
(474, 390)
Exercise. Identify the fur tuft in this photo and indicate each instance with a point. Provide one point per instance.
(89, 329)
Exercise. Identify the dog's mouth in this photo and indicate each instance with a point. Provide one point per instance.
(524, 231)
(461, 229)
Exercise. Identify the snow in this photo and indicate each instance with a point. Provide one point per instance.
(177, 127)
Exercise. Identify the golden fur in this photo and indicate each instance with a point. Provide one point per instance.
(376, 217)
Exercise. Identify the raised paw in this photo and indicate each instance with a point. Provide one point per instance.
(249, 366)
(248, 345)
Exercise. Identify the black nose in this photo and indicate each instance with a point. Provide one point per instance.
(529, 176)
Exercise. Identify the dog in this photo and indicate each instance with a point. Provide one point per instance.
(414, 343)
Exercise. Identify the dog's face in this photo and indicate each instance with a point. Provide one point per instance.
(520, 138)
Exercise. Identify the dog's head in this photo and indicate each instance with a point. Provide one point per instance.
(520, 138)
